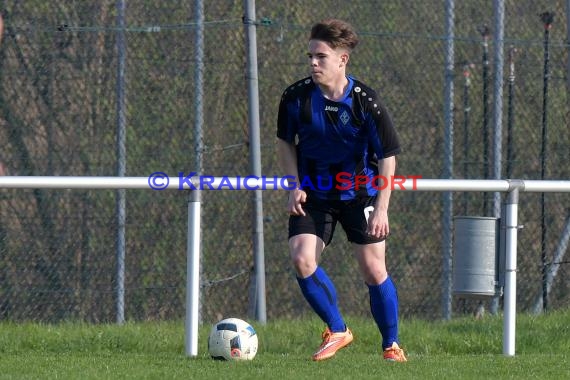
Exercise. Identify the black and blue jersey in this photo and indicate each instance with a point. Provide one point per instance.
(336, 141)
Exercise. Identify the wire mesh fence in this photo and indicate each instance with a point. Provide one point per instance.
(58, 116)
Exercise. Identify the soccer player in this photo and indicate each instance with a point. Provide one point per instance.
(333, 129)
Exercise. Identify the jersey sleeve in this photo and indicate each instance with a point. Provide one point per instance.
(383, 139)
(286, 125)
(385, 131)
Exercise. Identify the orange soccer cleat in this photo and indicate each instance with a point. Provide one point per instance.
(332, 342)
(395, 354)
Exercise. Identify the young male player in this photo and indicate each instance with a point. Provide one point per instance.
(331, 125)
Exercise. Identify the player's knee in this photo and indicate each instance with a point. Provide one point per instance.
(374, 273)
(304, 264)
(375, 276)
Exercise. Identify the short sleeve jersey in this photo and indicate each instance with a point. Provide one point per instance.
(337, 142)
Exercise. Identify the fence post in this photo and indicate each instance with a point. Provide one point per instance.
(193, 274)
(255, 160)
(193, 247)
(498, 38)
(511, 226)
(447, 222)
(121, 162)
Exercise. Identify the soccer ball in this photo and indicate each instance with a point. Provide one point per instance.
(232, 339)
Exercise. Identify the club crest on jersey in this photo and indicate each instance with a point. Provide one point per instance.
(331, 108)
(344, 117)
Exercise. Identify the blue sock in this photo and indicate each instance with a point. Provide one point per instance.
(384, 308)
(320, 292)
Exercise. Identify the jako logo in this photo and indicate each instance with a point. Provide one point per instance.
(331, 108)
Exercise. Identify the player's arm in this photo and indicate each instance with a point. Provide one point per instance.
(287, 151)
(386, 145)
(287, 156)
(378, 225)
(386, 168)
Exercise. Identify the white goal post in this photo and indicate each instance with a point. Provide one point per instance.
(511, 187)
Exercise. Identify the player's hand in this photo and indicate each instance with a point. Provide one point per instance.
(378, 225)
(295, 203)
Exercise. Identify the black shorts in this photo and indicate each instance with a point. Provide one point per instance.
(322, 216)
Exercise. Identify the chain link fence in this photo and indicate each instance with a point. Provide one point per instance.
(59, 116)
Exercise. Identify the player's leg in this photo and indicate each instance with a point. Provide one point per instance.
(315, 284)
(308, 237)
(370, 253)
(382, 292)
(383, 296)
(320, 293)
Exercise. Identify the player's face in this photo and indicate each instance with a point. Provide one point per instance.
(327, 64)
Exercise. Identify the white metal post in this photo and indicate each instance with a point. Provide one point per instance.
(193, 275)
(252, 77)
(511, 225)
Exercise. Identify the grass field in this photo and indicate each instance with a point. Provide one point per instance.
(463, 348)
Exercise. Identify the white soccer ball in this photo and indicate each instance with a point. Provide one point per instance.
(232, 339)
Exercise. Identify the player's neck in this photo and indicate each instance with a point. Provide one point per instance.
(335, 91)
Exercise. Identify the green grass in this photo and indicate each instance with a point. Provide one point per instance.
(463, 348)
